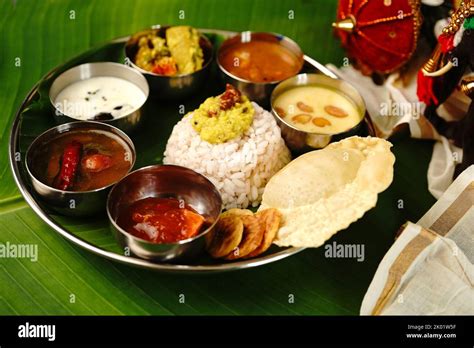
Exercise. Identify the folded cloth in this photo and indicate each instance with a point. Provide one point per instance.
(394, 103)
(442, 165)
(429, 269)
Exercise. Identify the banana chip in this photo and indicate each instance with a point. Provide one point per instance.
(240, 233)
(252, 237)
(237, 212)
(225, 236)
(270, 221)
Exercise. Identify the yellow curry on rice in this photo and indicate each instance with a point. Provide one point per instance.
(224, 117)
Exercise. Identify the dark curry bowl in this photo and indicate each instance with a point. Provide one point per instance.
(164, 181)
(258, 92)
(171, 87)
(128, 122)
(72, 203)
(299, 141)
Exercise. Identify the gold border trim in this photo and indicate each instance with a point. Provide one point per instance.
(414, 248)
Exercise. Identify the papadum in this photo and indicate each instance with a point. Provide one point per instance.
(324, 191)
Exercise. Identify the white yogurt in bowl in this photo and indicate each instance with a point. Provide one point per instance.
(100, 98)
(101, 91)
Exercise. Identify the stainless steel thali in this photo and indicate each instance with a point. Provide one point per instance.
(30, 120)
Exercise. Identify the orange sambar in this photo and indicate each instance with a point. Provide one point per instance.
(260, 61)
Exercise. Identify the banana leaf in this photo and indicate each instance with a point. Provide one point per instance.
(38, 36)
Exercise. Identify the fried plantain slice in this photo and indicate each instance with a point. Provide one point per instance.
(252, 237)
(270, 221)
(237, 212)
(225, 236)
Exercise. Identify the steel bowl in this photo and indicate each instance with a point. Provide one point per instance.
(257, 91)
(128, 122)
(164, 181)
(171, 87)
(299, 141)
(72, 203)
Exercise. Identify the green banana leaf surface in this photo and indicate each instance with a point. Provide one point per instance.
(38, 36)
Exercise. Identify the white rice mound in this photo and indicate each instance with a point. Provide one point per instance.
(239, 168)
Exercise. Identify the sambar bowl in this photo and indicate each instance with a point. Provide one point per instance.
(164, 181)
(68, 202)
(257, 91)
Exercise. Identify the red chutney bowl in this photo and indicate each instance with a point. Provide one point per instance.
(167, 182)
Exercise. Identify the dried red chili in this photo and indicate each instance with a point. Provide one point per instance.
(69, 163)
(230, 97)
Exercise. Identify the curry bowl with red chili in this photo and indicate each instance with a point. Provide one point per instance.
(72, 166)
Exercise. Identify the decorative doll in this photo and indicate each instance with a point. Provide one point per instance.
(445, 72)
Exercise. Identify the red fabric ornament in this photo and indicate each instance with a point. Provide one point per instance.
(383, 34)
(446, 42)
(425, 89)
(426, 84)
